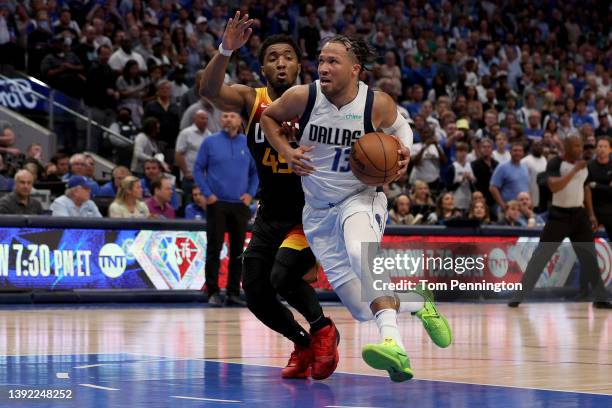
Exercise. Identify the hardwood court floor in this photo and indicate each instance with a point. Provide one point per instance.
(555, 346)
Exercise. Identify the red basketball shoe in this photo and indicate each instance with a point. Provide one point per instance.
(299, 363)
(324, 346)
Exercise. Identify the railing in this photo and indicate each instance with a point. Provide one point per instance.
(62, 113)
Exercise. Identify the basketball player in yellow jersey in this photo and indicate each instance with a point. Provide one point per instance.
(278, 255)
(342, 214)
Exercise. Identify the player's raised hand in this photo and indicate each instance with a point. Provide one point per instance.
(237, 32)
(404, 155)
(297, 160)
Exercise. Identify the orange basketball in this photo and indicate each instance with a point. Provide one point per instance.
(374, 158)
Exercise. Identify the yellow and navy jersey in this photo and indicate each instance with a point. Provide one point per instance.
(280, 189)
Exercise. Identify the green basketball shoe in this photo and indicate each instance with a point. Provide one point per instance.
(388, 356)
(435, 324)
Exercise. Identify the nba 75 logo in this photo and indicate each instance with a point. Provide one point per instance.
(172, 259)
(178, 253)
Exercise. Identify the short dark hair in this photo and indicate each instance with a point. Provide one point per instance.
(156, 184)
(362, 51)
(102, 47)
(149, 125)
(59, 156)
(278, 39)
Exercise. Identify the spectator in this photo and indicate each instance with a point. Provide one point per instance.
(178, 86)
(226, 174)
(33, 155)
(159, 203)
(80, 166)
(400, 213)
(512, 215)
(62, 164)
(12, 155)
(604, 128)
(536, 164)
(90, 167)
(479, 211)
(187, 146)
(534, 131)
(490, 121)
(38, 41)
(76, 201)
(427, 158)
(166, 112)
(421, 201)
(528, 216)
(124, 54)
(146, 145)
(501, 153)
(128, 203)
(62, 69)
(445, 210)
(600, 182)
(206, 40)
(101, 95)
(196, 209)
(461, 178)
(153, 169)
(581, 117)
(20, 200)
(122, 150)
(565, 128)
(510, 178)
(214, 115)
(131, 87)
(86, 49)
(111, 188)
(66, 27)
(192, 95)
(483, 169)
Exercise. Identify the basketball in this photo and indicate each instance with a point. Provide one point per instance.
(374, 158)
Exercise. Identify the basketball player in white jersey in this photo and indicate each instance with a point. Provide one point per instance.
(341, 213)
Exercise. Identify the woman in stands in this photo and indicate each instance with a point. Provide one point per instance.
(128, 203)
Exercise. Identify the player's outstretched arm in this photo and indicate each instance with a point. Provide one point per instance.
(386, 116)
(287, 108)
(235, 97)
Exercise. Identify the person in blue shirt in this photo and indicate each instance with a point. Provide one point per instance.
(510, 178)
(580, 117)
(110, 189)
(78, 167)
(225, 172)
(196, 210)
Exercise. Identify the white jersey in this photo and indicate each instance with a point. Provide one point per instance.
(332, 132)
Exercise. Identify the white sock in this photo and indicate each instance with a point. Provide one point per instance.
(411, 302)
(386, 320)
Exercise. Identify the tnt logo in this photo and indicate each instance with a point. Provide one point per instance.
(178, 253)
(112, 260)
(498, 263)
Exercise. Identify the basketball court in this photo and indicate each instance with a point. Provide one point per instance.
(539, 355)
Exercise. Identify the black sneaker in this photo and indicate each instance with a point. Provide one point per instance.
(214, 300)
(602, 305)
(234, 300)
(514, 303)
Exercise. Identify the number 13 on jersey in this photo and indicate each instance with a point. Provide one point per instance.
(341, 160)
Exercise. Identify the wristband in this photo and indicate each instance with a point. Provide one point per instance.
(224, 52)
